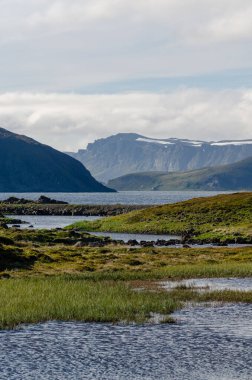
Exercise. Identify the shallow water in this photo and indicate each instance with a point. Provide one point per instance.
(206, 344)
(123, 197)
(138, 237)
(48, 221)
(206, 284)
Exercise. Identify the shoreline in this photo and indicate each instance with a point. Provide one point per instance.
(68, 209)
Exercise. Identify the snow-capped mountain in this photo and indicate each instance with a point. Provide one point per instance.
(126, 153)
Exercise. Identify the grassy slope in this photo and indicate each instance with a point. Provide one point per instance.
(237, 176)
(221, 217)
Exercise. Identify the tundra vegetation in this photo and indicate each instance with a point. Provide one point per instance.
(220, 219)
(71, 275)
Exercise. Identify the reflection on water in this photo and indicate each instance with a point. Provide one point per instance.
(202, 284)
(207, 344)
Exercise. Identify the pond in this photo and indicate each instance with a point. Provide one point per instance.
(209, 284)
(138, 237)
(207, 343)
(48, 221)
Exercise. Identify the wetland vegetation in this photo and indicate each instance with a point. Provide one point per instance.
(46, 277)
(69, 274)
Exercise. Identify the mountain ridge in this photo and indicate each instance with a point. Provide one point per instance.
(126, 153)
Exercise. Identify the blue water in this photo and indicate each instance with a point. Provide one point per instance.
(122, 197)
(50, 221)
(207, 343)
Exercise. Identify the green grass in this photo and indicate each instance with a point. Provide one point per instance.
(43, 277)
(64, 298)
(221, 218)
(67, 299)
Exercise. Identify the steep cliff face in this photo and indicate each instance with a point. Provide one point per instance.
(127, 153)
(28, 166)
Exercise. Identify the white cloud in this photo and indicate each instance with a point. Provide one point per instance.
(70, 121)
(59, 45)
(179, 19)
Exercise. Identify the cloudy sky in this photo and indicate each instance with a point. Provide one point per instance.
(76, 70)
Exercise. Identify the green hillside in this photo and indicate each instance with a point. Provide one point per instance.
(237, 176)
(226, 218)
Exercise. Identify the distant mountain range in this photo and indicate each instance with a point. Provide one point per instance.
(126, 153)
(237, 176)
(28, 166)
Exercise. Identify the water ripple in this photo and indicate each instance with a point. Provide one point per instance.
(207, 343)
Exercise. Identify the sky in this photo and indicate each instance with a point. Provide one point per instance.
(72, 71)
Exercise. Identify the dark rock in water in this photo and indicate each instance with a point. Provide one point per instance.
(147, 243)
(132, 242)
(45, 200)
(15, 200)
(173, 242)
(163, 243)
(31, 226)
(186, 246)
(16, 221)
(16, 225)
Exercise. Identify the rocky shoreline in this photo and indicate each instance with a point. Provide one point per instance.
(47, 206)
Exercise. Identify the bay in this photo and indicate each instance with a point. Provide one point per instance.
(122, 197)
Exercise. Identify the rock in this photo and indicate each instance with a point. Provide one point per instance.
(147, 243)
(14, 200)
(132, 242)
(45, 200)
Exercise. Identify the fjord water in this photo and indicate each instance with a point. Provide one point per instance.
(50, 221)
(122, 197)
(207, 343)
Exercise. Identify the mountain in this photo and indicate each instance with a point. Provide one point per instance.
(127, 153)
(237, 176)
(28, 166)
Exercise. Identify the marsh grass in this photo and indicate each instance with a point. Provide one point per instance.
(44, 280)
(62, 298)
